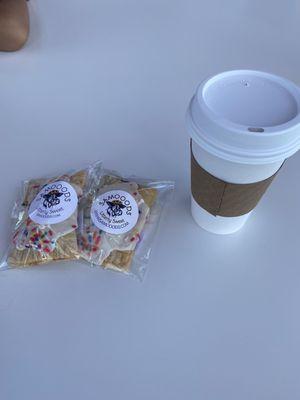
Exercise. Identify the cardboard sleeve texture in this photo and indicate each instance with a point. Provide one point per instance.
(222, 198)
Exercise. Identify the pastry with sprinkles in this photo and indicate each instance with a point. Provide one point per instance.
(112, 221)
(94, 215)
(46, 221)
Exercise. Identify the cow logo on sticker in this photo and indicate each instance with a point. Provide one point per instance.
(55, 202)
(115, 208)
(115, 212)
(51, 199)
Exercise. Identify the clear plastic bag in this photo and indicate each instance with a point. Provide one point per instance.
(45, 219)
(118, 218)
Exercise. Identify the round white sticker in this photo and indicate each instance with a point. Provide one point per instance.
(54, 203)
(115, 212)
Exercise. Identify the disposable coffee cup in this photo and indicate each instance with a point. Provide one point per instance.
(243, 125)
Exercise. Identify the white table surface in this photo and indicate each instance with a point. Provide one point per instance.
(217, 318)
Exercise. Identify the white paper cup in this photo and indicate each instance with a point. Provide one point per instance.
(243, 125)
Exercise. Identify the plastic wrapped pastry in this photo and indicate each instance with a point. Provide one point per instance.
(45, 220)
(117, 220)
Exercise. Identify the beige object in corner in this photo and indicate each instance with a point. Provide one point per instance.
(14, 24)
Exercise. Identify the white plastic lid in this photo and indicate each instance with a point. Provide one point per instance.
(246, 116)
